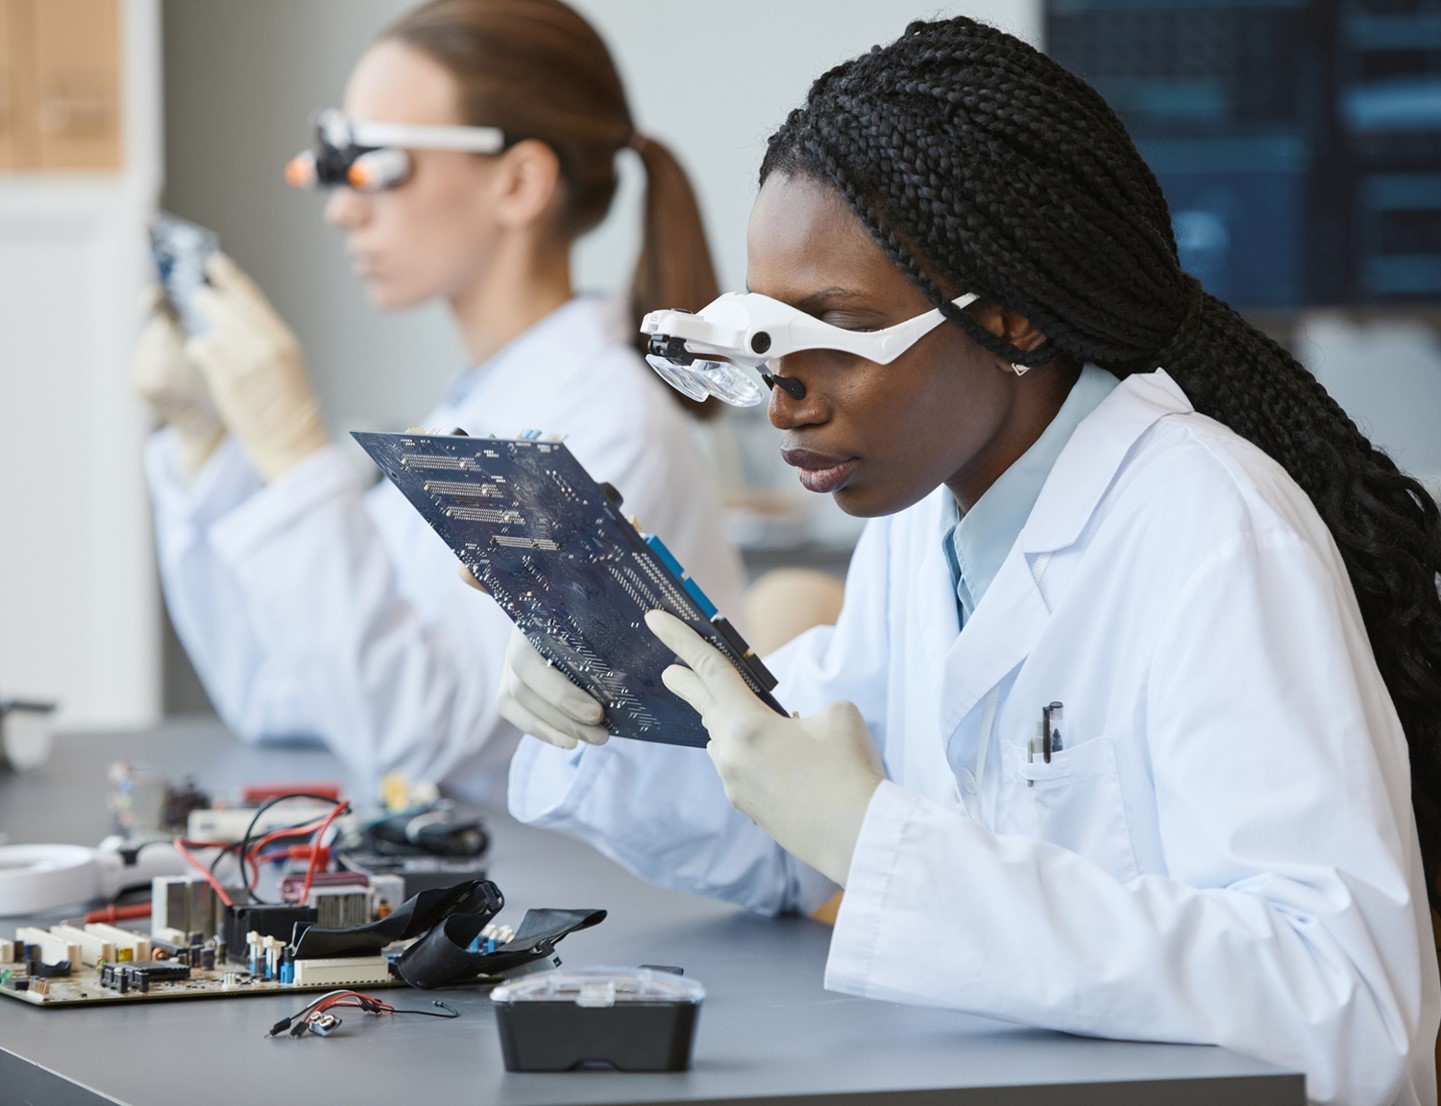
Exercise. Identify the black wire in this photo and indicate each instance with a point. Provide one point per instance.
(375, 1009)
(454, 1013)
(226, 850)
(250, 829)
(134, 850)
(371, 1005)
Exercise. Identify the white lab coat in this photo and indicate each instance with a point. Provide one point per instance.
(1224, 849)
(315, 607)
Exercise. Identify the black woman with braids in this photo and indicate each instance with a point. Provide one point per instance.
(1132, 711)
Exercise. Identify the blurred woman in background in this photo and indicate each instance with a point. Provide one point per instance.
(311, 606)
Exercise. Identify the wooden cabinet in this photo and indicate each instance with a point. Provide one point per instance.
(60, 103)
(14, 82)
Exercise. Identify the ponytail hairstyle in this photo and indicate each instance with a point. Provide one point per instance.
(536, 69)
(977, 163)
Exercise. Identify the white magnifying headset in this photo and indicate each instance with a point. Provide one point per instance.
(713, 351)
(371, 157)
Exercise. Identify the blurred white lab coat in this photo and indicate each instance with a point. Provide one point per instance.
(1222, 852)
(315, 607)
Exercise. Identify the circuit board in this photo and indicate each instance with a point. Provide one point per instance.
(552, 548)
(83, 986)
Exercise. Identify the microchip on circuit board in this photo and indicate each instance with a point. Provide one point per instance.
(555, 553)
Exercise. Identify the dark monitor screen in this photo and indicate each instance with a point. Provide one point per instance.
(1298, 143)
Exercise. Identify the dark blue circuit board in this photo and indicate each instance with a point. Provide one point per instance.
(554, 551)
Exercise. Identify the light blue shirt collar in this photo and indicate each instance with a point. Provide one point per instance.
(977, 542)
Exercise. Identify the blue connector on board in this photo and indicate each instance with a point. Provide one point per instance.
(667, 558)
(701, 598)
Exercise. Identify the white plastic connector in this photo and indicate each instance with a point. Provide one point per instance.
(94, 949)
(52, 949)
(230, 824)
(137, 944)
(342, 970)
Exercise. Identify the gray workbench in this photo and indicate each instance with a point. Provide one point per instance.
(768, 1032)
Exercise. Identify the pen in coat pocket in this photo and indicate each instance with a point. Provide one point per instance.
(1051, 730)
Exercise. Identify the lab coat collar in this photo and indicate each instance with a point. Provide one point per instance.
(1006, 623)
(1095, 451)
(544, 355)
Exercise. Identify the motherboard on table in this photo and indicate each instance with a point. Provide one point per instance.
(335, 912)
(551, 547)
(333, 938)
(195, 947)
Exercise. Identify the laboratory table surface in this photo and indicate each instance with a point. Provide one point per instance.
(768, 1032)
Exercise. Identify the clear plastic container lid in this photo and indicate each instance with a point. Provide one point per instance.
(601, 987)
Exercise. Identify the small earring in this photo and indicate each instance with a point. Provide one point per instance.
(1020, 370)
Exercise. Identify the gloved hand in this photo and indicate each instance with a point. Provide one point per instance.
(163, 376)
(537, 698)
(252, 365)
(805, 781)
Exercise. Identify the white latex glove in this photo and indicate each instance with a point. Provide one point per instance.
(805, 781)
(252, 365)
(539, 699)
(168, 380)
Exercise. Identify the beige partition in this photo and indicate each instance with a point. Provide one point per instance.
(77, 82)
(17, 84)
(60, 80)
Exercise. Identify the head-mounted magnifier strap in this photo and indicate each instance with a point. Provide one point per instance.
(706, 353)
(417, 136)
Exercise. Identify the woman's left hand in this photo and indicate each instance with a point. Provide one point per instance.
(805, 781)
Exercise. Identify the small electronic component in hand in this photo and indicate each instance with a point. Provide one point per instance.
(180, 250)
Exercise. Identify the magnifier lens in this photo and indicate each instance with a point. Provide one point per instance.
(730, 383)
(680, 377)
(379, 169)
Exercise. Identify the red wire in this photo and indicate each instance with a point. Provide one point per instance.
(369, 1004)
(319, 840)
(318, 827)
(274, 835)
(113, 913)
(203, 870)
(254, 853)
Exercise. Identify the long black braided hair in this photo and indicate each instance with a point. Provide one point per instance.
(976, 162)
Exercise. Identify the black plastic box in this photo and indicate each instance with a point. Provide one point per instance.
(631, 1019)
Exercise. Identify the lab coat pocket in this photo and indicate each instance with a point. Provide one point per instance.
(1074, 801)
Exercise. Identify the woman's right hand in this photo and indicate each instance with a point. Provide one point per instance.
(538, 699)
(253, 368)
(163, 375)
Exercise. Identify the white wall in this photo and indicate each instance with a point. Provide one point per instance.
(79, 616)
(734, 71)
